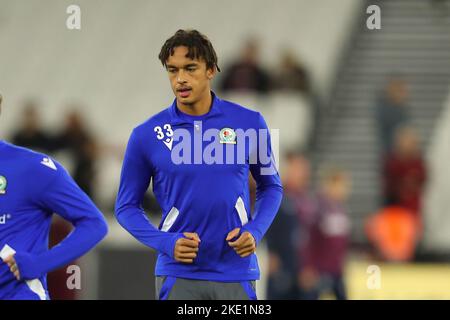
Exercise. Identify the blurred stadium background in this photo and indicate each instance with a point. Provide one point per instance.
(84, 90)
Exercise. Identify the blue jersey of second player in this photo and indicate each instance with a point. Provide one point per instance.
(32, 188)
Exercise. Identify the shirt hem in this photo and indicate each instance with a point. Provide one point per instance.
(209, 276)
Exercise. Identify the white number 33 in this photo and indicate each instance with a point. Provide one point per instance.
(160, 134)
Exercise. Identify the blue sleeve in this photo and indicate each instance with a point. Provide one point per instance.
(269, 190)
(134, 181)
(63, 196)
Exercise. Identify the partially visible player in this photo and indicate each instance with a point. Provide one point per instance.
(207, 238)
(32, 188)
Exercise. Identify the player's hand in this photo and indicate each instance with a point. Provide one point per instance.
(11, 262)
(186, 248)
(245, 245)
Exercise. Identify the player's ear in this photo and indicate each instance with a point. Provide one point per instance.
(210, 73)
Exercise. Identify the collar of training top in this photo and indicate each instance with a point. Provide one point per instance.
(178, 117)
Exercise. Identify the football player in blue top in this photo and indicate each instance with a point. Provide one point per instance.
(33, 186)
(198, 154)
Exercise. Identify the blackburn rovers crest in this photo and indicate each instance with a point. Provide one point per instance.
(227, 135)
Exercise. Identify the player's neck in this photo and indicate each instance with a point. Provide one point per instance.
(198, 108)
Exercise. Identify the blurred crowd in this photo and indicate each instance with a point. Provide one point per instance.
(247, 74)
(74, 138)
(309, 239)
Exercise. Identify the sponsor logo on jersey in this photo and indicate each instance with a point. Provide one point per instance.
(4, 218)
(49, 163)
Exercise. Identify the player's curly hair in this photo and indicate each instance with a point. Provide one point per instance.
(199, 47)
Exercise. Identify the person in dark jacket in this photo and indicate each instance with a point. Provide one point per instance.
(328, 242)
(391, 112)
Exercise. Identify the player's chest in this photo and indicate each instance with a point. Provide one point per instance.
(15, 192)
(15, 201)
(200, 147)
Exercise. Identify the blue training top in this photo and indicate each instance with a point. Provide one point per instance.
(199, 190)
(32, 188)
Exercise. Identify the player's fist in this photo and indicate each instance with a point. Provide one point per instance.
(186, 248)
(245, 245)
(11, 262)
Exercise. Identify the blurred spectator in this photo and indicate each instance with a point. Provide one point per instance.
(396, 229)
(327, 246)
(246, 74)
(76, 138)
(30, 134)
(394, 232)
(285, 237)
(405, 172)
(291, 75)
(391, 111)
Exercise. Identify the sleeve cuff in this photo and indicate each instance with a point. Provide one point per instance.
(169, 247)
(254, 233)
(28, 266)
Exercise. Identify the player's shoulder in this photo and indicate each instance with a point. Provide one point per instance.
(242, 114)
(238, 110)
(22, 154)
(32, 163)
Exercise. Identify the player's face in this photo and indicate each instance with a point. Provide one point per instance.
(189, 78)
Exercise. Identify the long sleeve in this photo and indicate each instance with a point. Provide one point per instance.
(269, 190)
(63, 196)
(135, 179)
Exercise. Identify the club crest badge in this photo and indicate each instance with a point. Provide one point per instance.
(3, 184)
(227, 135)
